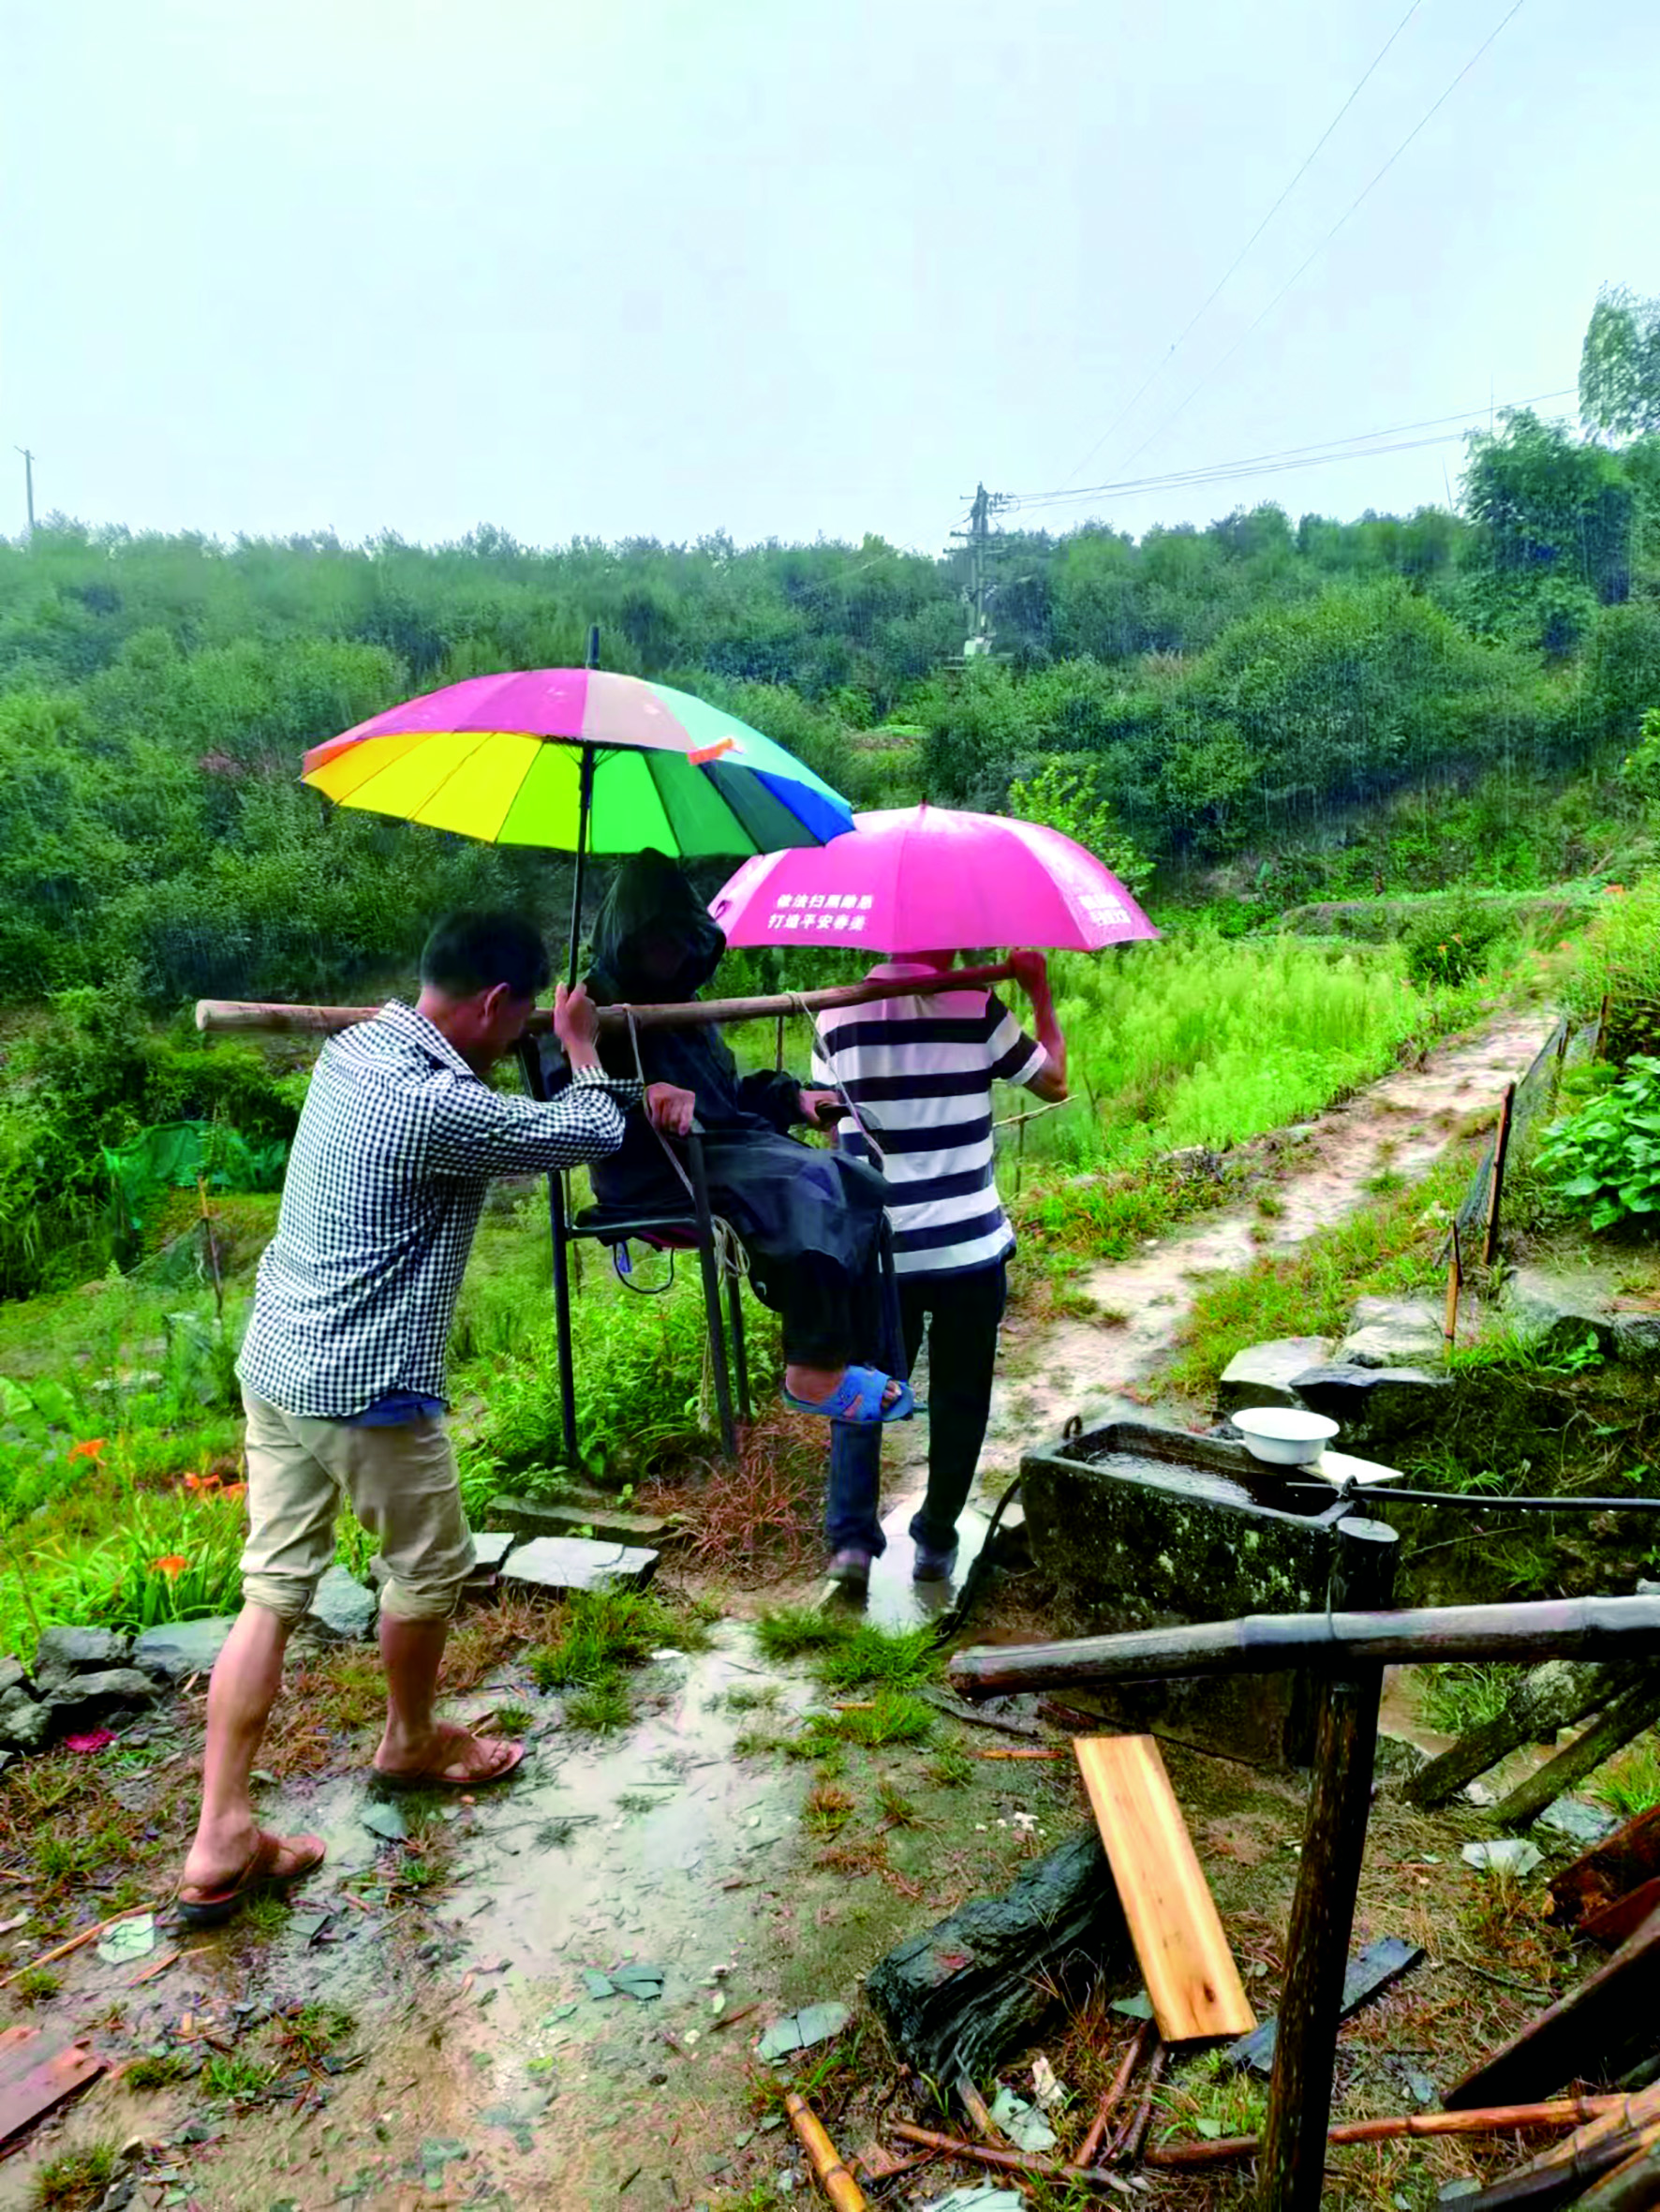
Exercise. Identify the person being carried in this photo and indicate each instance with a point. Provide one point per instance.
(343, 1365)
(811, 1221)
(920, 1072)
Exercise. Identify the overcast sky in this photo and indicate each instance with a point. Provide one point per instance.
(784, 267)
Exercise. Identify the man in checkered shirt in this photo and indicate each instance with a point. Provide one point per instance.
(343, 1366)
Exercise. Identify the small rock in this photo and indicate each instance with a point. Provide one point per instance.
(606, 1524)
(14, 1675)
(73, 1650)
(1393, 1332)
(572, 1563)
(1372, 1404)
(803, 2031)
(179, 1649)
(491, 1549)
(23, 1724)
(387, 1822)
(1582, 1823)
(343, 1611)
(1261, 1374)
(1554, 1313)
(81, 1697)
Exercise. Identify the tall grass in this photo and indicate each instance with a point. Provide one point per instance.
(1200, 1040)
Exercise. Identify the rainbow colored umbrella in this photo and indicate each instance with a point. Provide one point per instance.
(578, 760)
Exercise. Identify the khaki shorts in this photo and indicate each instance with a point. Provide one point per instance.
(402, 1484)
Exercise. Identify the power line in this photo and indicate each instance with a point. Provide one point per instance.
(1289, 456)
(1353, 207)
(1164, 360)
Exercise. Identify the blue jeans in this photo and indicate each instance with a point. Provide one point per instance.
(960, 1314)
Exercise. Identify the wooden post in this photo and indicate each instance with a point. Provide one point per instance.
(1490, 1251)
(1322, 1912)
(1455, 1281)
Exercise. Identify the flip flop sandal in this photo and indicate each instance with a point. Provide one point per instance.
(257, 1878)
(856, 1401)
(435, 1777)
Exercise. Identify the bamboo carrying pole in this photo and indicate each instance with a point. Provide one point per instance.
(1267, 1643)
(1500, 2119)
(839, 2184)
(237, 1017)
(1327, 1880)
(1006, 2162)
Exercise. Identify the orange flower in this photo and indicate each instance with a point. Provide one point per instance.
(172, 1565)
(234, 1489)
(1613, 890)
(91, 1449)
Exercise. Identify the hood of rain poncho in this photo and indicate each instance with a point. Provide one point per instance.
(651, 896)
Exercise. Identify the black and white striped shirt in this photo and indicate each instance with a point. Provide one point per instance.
(920, 1070)
(398, 1143)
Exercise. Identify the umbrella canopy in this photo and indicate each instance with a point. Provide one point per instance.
(928, 879)
(578, 760)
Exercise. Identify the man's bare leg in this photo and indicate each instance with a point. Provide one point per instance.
(246, 1679)
(415, 1743)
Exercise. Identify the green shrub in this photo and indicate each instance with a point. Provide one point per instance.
(1604, 1162)
(1450, 943)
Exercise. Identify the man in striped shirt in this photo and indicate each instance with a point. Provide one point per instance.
(919, 1073)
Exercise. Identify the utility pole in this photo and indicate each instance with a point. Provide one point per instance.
(978, 534)
(29, 486)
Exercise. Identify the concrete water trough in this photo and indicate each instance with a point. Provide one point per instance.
(1140, 1526)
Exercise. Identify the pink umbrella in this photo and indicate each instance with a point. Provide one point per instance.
(928, 879)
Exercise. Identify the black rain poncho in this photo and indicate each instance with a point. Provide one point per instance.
(811, 1220)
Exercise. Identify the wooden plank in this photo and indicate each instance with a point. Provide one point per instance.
(1608, 1870)
(1191, 1976)
(46, 2084)
(1574, 2035)
(1370, 1973)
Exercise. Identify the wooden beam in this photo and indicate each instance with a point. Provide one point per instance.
(1608, 1871)
(1548, 1698)
(1293, 2169)
(1625, 1715)
(1509, 2119)
(1576, 2033)
(1191, 1976)
(242, 1017)
(1617, 1627)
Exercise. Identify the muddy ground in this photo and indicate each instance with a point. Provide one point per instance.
(416, 2029)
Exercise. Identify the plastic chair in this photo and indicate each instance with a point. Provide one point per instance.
(686, 1227)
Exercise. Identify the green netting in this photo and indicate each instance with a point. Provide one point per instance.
(179, 1154)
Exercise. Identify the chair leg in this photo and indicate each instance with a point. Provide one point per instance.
(562, 1315)
(531, 1069)
(706, 1252)
(740, 1357)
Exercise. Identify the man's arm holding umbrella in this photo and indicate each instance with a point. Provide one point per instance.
(1032, 973)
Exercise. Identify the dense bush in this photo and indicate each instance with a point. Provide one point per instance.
(1452, 941)
(1604, 1162)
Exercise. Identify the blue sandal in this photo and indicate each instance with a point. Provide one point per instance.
(856, 1401)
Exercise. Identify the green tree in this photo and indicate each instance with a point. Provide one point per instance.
(1619, 365)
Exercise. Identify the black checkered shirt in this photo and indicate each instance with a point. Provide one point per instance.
(396, 1146)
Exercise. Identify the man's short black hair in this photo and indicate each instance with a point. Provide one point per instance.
(472, 953)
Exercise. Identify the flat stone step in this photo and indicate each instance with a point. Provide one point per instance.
(559, 1565)
(606, 1524)
(893, 1600)
(1262, 1374)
